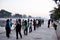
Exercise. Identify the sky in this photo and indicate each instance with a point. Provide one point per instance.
(29, 7)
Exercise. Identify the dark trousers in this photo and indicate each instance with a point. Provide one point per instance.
(8, 32)
(18, 31)
(30, 29)
(55, 26)
(34, 27)
(48, 25)
(26, 31)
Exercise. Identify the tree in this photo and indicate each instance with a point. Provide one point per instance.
(29, 16)
(56, 1)
(55, 13)
(24, 16)
(17, 16)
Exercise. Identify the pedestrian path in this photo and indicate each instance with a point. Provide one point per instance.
(2, 30)
(42, 33)
(58, 30)
(39, 34)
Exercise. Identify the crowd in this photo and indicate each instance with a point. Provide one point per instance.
(25, 24)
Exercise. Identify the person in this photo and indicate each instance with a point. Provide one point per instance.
(48, 23)
(39, 22)
(28, 22)
(10, 24)
(18, 28)
(51, 23)
(23, 23)
(54, 25)
(30, 28)
(25, 28)
(34, 24)
(7, 28)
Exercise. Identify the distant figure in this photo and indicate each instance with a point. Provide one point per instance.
(39, 22)
(34, 24)
(48, 23)
(30, 27)
(18, 28)
(51, 23)
(23, 23)
(54, 25)
(25, 27)
(8, 29)
(28, 22)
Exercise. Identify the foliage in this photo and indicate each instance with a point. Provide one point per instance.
(56, 12)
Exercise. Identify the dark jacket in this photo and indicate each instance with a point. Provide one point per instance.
(18, 27)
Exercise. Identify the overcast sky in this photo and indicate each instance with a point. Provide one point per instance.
(28, 7)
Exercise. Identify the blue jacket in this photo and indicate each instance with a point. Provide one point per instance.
(10, 24)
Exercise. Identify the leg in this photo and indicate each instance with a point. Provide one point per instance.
(16, 34)
(31, 28)
(48, 25)
(26, 31)
(7, 33)
(34, 27)
(20, 33)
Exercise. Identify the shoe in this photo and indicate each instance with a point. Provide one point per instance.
(16, 38)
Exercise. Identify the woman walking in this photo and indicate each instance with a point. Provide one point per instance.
(8, 29)
(18, 28)
(30, 28)
(34, 24)
(25, 28)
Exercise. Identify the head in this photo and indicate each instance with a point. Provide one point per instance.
(16, 20)
(25, 20)
(10, 19)
(28, 20)
(7, 20)
(31, 19)
(19, 20)
(51, 20)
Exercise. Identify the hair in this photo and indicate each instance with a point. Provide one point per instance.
(7, 20)
(19, 20)
(51, 20)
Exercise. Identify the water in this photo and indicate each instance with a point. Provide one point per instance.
(3, 20)
(2, 23)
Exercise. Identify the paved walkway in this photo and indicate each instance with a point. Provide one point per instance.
(58, 30)
(2, 30)
(42, 33)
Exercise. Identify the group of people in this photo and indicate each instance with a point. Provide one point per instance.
(8, 27)
(25, 24)
(51, 23)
